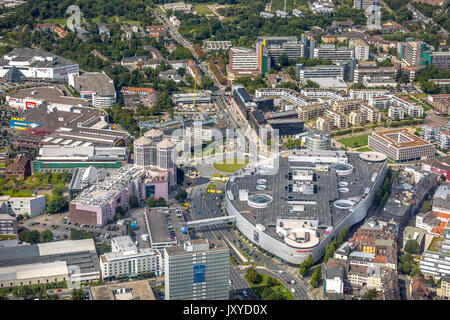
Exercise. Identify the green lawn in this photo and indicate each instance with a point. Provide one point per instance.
(60, 21)
(433, 245)
(360, 140)
(364, 149)
(202, 9)
(228, 167)
(258, 288)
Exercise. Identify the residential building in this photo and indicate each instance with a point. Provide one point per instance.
(370, 113)
(323, 124)
(198, 270)
(396, 112)
(346, 105)
(361, 49)
(322, 7)
(430, 131)
(334, 279)
(401, 145)
(416, 234)
(315, 110)
(338, 120)
(19, 169)
(281, 14)
(375, 82)
(156, 31)
(126, 260)
(26, 206)
(443, 139)
(444, 291)
(418, 289)
(266, 15)
(435, 261)
(356, 118)
(440, 166)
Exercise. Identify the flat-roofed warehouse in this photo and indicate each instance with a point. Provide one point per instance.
(97, 87)
(49, 262)
(37, 63)
(68, 124)
(132, 290)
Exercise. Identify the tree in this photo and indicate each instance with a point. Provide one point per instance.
(120, 211)
(78, 294)
(342, 237)
(134, 202)
(181, 195)
(57, 204)
(426, 206)
(372, 294)
(181, 72)
(206, 83)
(443, 177)
(412, 246)
(104, 248)
(316, 278)
(253, 276)
(31, 237)
(306, 265)
(311, 84)
(283, 60)
(271, 281)
(46, 236)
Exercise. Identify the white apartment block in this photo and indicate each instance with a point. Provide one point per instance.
(127, 260)
(366, 94)
(371, 114)
(31, 206)
(286, 94)
(338, 120)
(380, 102)
(361, 49)
(396, 112)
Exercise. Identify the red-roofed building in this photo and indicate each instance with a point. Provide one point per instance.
(156, 31)
(440, 166)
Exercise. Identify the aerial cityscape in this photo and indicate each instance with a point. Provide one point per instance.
(233, 150)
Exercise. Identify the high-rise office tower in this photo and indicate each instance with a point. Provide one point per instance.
(199, 270)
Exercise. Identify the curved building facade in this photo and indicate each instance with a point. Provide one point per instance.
(295, 225)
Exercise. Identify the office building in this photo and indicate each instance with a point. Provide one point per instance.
(244, 62)
(303, 73)
(318, 141)
(401, 145)
(37, 64)
(26, 206)
(126, 260)
(68, 260)
(330, 51)
(198, 270)
(370, 69)
(96, 87)
(440, 59)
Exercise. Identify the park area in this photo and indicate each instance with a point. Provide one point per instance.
(355, 142)
(266, 287)
(230, 166)
(202, 9)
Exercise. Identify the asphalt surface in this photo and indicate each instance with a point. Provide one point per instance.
(210, 208)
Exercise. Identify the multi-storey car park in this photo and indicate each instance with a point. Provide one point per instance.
(295, 208)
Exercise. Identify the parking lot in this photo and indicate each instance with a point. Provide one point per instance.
(60, 226)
